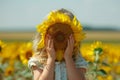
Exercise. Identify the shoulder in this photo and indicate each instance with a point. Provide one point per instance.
(33, 61)
(80, 62)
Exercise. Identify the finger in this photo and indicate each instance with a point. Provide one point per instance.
(68, 43)
(48, 44)
(46, 40)
(52, 46)
(50, 41)
(72, 39)
(71, 43)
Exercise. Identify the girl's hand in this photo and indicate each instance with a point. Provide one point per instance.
(69, 50)
(50, 47)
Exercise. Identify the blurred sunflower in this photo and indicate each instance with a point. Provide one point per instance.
(60, 27)
(87, 53)
(96, 45)
(25, 52)
(2, 45)
(10, 52)
(114, 57)
(9, 71)
(100, 49)
(116, 69)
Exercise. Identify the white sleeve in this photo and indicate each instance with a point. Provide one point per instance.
(34, 62)
(80, 62)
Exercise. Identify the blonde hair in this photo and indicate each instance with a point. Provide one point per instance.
(41, 54)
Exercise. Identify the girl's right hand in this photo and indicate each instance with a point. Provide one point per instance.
(50, 47)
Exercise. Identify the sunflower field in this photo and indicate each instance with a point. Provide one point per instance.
(103, 60)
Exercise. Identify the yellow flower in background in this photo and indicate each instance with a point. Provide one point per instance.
(10, 52)
(60, 26)
(109, 59)
(25, 52)
(2, 45)
(116, 69)
(22, 51)
(100, 46)
(9, 71)
(96, 44)
(113, 52)
(88, 51)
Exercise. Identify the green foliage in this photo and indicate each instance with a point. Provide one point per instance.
(98, 51)
(21, 72)
(101, 72)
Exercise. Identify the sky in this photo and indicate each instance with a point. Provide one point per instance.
(26, 14)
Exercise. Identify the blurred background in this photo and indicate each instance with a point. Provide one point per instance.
(18, 19)
(100, 19)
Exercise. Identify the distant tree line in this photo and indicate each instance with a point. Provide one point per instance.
(98, 28)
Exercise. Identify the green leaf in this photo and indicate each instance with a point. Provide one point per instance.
(1, 71)
(101, 72)
(98, 50)
(105, 64)
(90, 63)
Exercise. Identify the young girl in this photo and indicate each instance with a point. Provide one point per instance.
(56, 48)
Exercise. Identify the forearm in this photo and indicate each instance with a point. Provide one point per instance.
(48, 71)
(72, 71)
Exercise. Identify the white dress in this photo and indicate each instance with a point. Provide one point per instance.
(60, 67)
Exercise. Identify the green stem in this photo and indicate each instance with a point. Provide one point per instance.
(96, 64)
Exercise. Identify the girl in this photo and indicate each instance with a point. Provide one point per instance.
(56, 47)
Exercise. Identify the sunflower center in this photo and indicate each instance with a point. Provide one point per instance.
(60, 33)
(28, 54)
(59, 37)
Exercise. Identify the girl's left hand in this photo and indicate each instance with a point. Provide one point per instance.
(69, 50)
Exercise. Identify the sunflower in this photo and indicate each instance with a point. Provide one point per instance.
(2, 45)
(60, 27)
(25, 52)
(9, 70)
(89, 51)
